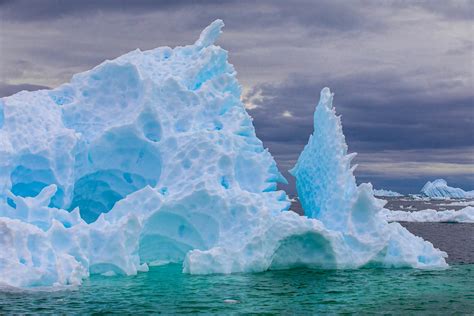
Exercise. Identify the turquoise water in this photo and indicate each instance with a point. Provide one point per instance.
(165, 289)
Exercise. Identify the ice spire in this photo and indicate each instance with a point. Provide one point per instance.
(324, 177)
(210, 34)
(328, 192)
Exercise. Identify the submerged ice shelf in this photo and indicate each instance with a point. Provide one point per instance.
(151, 158)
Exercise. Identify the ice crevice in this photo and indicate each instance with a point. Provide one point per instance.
(151, 158)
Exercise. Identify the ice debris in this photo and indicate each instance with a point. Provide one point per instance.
(439, 189)
(151, 158)
(465, 215)
(386, 193)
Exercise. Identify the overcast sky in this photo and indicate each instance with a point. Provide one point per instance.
(402, 71)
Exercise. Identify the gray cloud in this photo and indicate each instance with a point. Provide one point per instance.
(400, 69)
(337, 14)
(9, 89)
(25, 10)
(426, 135)
(457, 9)
(379, 113)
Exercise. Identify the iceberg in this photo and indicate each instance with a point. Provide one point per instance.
(465, 215)
(343, 228)
(386, 193)
(440, 189)
(151, 158)
(328, 193)
(134, 162)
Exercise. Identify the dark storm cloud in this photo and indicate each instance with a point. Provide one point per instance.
(28, 10)
(378, 113)
(9, 89)
(383, 119)
(338, 14)
(399, 69)
(318, 18)
(457, 9)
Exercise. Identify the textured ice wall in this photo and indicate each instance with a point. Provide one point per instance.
(146, 118)
(440, 189)
(43, 246)
(153, 149)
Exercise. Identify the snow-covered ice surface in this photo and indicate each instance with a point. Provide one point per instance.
(440, 189)
(151, 158)
(388, 193)
(465, 215)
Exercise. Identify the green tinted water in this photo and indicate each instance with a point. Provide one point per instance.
(165, 289)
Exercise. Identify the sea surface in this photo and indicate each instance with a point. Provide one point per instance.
(165, 289)
(301, 291)
(457, 239)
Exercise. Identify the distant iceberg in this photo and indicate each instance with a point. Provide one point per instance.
(440, 189)
(151, 158)
(465, 215)
(386, 193)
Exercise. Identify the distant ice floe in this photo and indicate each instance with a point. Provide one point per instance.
(465, 215)
(418, 197)
(386, 193)
(458, 203)
(440, 189)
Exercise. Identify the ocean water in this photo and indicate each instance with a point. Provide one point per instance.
(457, 239)
(165, 289)
(301, 291)
(407, 203)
